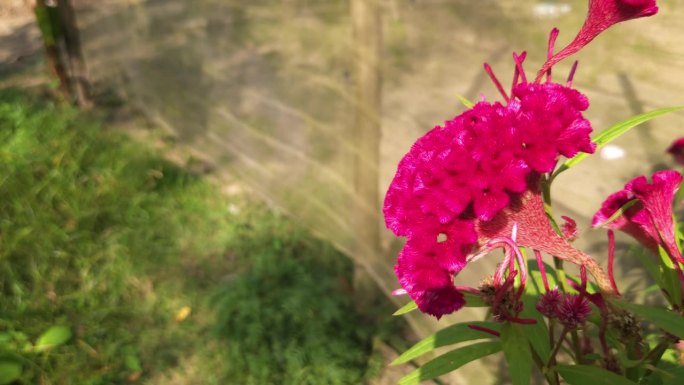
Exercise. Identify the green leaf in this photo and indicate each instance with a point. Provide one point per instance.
(670, 279)
(590, 375)
(465, 101)
(54, 336)
(453, 334)
(676, 379)
(537, 333)
(617, 214)
(409, 307)
(672, 323)
(517, 351)
(9, 371)
(133, 363)
(450, 361)
(608, 135)
(650, 266)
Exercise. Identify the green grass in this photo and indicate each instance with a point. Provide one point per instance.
(101, 234)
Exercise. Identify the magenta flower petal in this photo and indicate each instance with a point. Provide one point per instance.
(569, 228)
(426, 282)
(649, 220)
(676, 149)
(488, 204)
(634, 220)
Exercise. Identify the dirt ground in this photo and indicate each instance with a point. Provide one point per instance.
(19, 36)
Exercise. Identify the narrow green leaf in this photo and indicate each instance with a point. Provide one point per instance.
(537, 333)
(450, 361)
(472, 300)
(617, 214)
(650, 266)
(54, 336)
(670, 278)
(537, 281)
(453, 334)
(672, 323)
(10, 371)
(590, 375)
(517, 351)
(465, 101)
(608, 135)
(409, 307)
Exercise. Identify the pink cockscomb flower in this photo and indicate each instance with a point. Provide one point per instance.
(471, 180)
(648, 216)
(602, 15)
(477, 179)
(676, 149)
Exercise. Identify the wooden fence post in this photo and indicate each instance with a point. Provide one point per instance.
(57, 22)
(367, 28)
(72, 42)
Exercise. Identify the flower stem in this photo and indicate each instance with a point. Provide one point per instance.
(556, 348)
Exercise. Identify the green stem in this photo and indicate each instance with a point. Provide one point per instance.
(556, 348)
(576, 347)
(551, 376)
(654, 356)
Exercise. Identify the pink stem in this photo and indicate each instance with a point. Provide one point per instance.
(611, 260)
(489, 71)
(542, 269)
(552, 41)
(484, 329)
(501, 290)
(524, 321)
(572, 74)
(519, 71)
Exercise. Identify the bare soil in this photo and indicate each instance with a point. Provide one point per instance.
(20, 44)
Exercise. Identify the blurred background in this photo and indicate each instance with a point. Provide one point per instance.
(191, 190)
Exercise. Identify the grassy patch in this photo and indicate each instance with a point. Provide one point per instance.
(159, 278)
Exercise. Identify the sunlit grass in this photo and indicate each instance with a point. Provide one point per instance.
(137, 256)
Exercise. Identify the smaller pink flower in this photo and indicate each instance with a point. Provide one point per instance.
(676, 149)
(573, 311)
(649, 218)
(602, 15)
(549, 303)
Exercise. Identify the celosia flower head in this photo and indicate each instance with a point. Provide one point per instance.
(477, 177)
(471, 179)
(676, 149)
